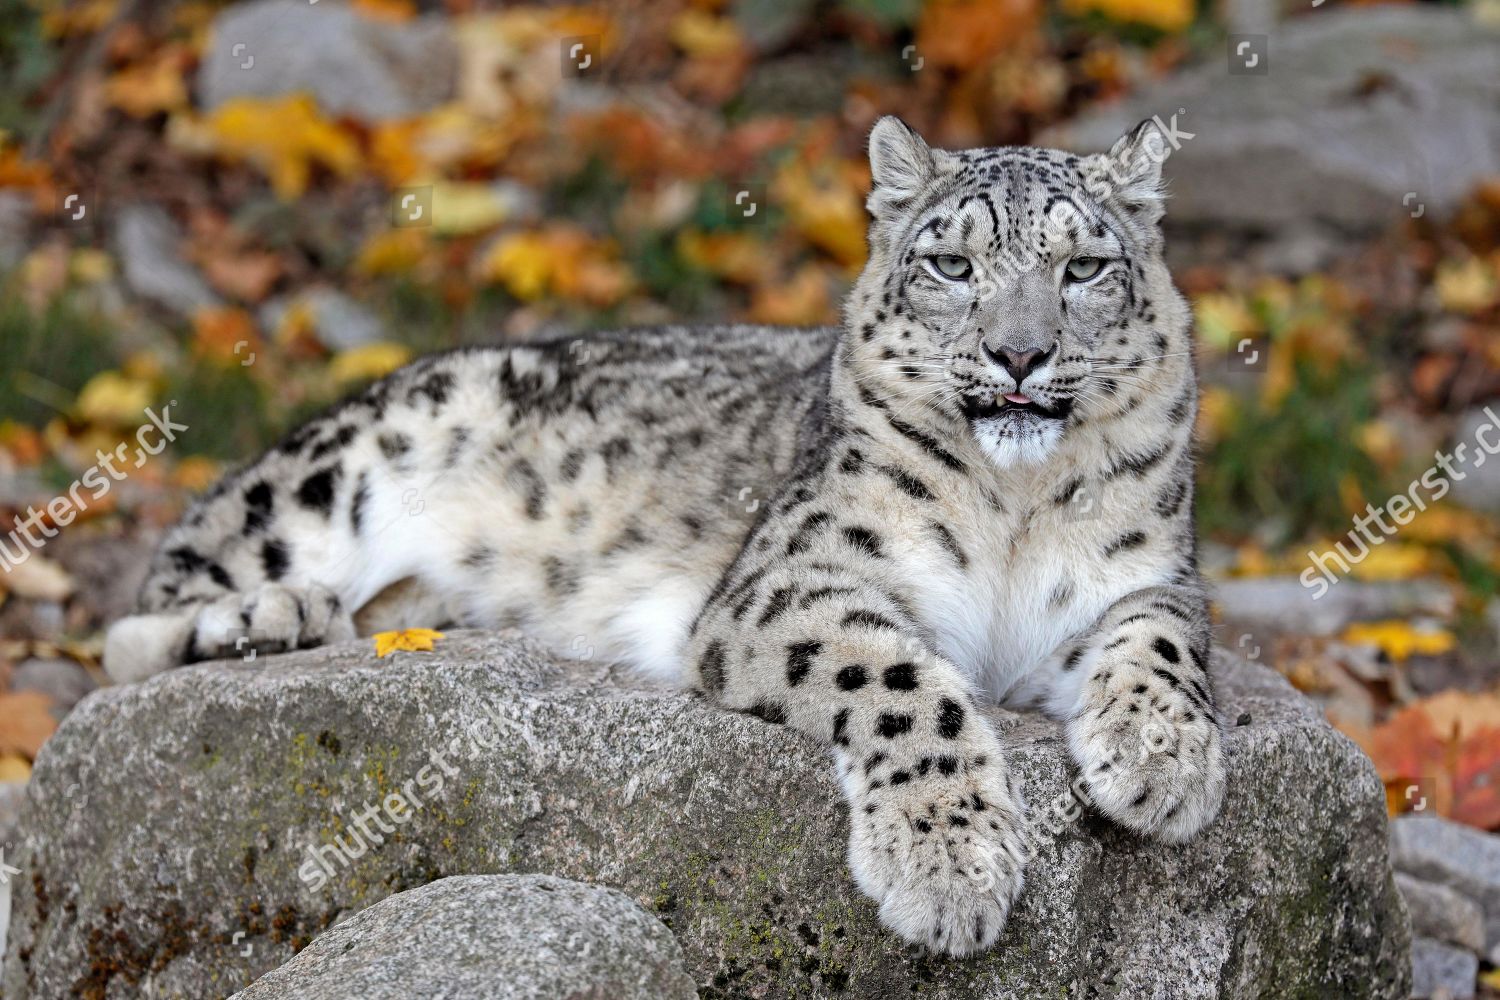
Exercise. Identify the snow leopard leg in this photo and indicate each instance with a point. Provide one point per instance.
(1140, 717)
(813, 636)
(280, 555)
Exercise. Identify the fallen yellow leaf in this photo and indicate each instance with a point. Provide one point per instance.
(284, 137)
(14, 767)
(1399, 639)
(113, 398)
(560, 260)
(1165, 15)
(699, 33)
(412, 640)
(369, 362)
(39, 579)
(1466, 285)
(151, 87)
(827, 207)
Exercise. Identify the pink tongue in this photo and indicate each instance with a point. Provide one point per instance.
(1016, 397)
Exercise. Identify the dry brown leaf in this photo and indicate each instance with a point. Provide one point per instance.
(25, 722)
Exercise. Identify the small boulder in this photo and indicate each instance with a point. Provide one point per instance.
(489, 937)
(1479, 488)
(64, 681)
(351, 64)
(1441, 913)
(1462, 858)
(1441, 972)
(147, 246)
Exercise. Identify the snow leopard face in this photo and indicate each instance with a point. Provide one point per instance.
(1021, 288)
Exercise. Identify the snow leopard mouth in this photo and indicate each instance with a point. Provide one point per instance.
(1014, 405)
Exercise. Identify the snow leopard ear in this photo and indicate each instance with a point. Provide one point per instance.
(901, 165)
(1130, 173)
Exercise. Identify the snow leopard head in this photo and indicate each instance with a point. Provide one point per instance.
(1021, 290)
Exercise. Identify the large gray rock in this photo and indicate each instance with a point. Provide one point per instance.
(1357, 108)
(179, 836)
(489, 937)
(353, 65)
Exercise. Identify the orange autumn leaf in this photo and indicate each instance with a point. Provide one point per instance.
(1445, 749)
(741, 257)
(395, 11)
(1165, 15)
(225, 333)
(802, 301)
(411, 640)
(151, 87)
(246, 275)
(827, 207)
(963, 34)
(25, 722)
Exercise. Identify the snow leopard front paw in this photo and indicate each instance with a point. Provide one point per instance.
(272, 618)
(1149, 751)
(939, 843)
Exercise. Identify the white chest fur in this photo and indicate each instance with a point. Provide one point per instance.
(1022, 596)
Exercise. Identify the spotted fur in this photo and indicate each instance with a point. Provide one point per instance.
(843, 531)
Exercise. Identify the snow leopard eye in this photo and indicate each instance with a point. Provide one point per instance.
(951, 266)
(1084, 268)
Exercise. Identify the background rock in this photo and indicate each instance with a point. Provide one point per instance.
(1438, 912)
(1480, 487)
(1270, 605)
(167, 816)
(1358, 108)
(353, 65)
(146, 243)
(338, 321)
(489, 937)
(64, 681)
(1441, 972)
(1460, 857)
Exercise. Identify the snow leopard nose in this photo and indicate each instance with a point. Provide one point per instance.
(1018, 364)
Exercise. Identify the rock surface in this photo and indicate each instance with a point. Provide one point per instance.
(1462, 858)
(163, 819)
(146, 244)
(1441, 972)
(351, 64)
(1263, 606)
(1480, 487)
(337, 321)
(1346, 113)
(64, 681)
(1440, 913)
(489, 937)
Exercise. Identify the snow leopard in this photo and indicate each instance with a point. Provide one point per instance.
(978, 488)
